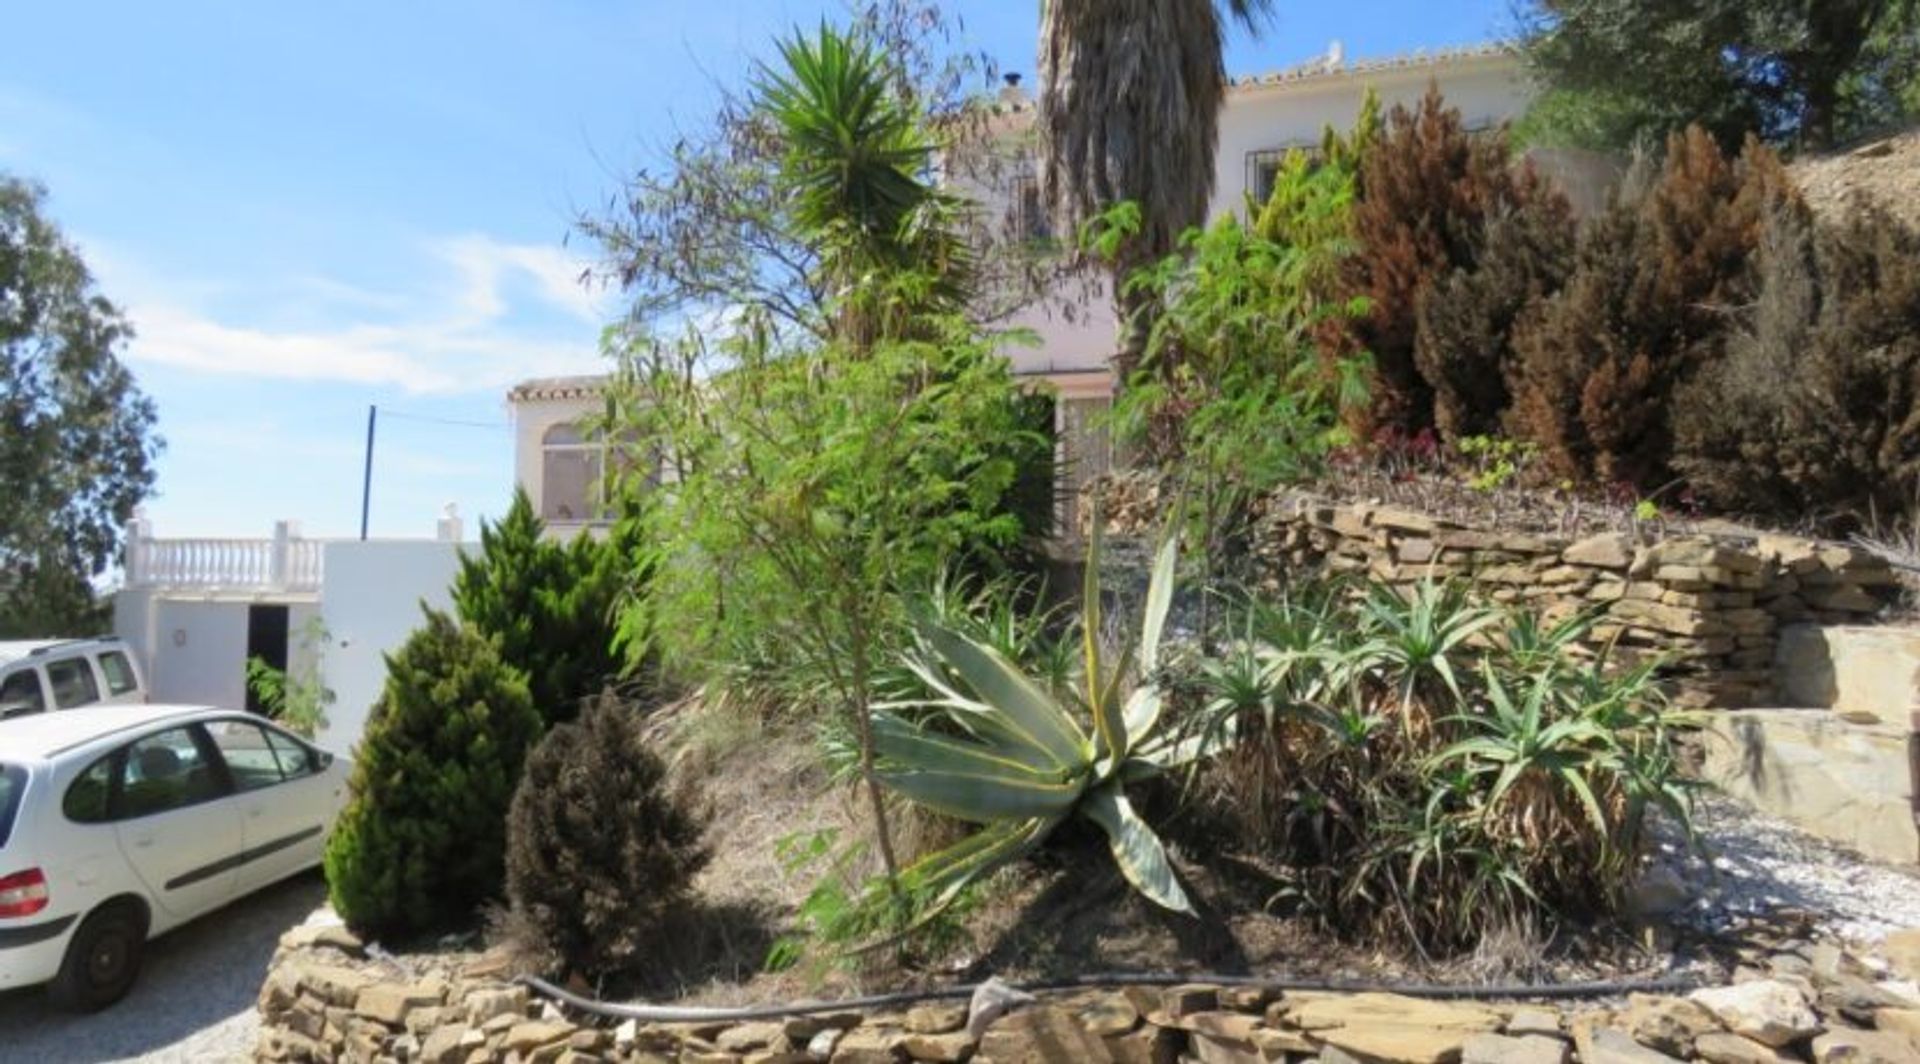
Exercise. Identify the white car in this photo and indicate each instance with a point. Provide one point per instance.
(124, 822)
(44, 674)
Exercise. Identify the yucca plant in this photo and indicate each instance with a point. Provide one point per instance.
(999, 747)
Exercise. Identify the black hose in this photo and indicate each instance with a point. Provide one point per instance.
(701, 1014)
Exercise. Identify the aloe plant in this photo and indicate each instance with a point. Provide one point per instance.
(998, 747)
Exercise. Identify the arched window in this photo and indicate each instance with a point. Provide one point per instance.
(570, 475)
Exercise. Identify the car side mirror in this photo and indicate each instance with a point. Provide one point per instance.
(322, 760)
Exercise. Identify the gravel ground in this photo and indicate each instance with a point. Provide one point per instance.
(194, 1003)
(1757, 867)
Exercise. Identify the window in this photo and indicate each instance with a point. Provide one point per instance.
(20, 694)
(13, 781)
(89, 799)
(250, 760)
(72, 683)
(1263, 168)
(119, 673)
(569, 475)
(296, 759)
(164, 772)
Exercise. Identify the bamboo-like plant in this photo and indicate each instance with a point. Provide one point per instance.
(1000, 748)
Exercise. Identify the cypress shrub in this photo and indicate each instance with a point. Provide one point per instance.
(1464, 346)
(550, 605)
(1657, 281)
(600, 856)
(1427, 188)
(420, 844)
(1816, 409)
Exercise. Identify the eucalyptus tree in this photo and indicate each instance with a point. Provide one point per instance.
(1129, 111)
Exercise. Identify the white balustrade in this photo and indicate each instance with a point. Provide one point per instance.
(283, 563)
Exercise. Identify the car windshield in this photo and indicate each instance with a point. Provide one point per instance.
(13, 780)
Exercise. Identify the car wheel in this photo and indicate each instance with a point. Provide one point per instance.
(102, 961)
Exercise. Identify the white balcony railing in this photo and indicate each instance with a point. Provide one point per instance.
(285, 562)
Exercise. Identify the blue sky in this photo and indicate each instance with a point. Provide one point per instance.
(310, 208)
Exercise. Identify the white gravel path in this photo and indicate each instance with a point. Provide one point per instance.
(1756, 866)
(194, 1003)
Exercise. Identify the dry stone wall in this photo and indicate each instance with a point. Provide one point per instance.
(329, 998)
(1711, 604)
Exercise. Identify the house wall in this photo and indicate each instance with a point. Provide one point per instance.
(531, 420)
(370, 603)
(192, 648)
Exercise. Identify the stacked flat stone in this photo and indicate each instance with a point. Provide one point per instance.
(1707, 605)
(327, 999)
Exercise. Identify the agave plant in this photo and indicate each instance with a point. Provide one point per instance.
(1001, 748)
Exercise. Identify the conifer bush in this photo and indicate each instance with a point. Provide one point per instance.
(1427, 188)
(600, 854)
(1815, 412)
(1656, 282)
(550, 605)
(420, 844)
(1465, 319)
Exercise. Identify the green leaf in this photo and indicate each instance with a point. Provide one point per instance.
(1159, 602)
(1029, 711)
(1136, 849)
(981, 796)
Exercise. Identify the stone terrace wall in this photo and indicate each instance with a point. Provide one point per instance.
(327, 999)
(1713, 602)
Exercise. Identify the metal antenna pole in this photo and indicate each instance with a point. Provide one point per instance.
(366, 474)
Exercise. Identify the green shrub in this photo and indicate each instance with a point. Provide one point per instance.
(550, 605)
(1656, 281)
(600, 855)
(419, 846)
(1816, 409)
(1427, 770)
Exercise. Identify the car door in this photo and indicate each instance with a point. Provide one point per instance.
(178, 821)
(284, 802)
(21, 693)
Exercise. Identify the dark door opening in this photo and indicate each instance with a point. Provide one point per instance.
(266, 640)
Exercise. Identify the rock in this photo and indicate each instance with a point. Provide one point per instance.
(751, 1036)
(1609, 550)
(332, 983)
(1147, 1045)
(1503, 1049)
(992, 1000)
(1769, 1011)
(1397, 1043)
(1610, 1045)
(444, 1045)
(524, 1038)
(802, 1029)
(1363, 1009)
(948, 1048)
(484, 1005)
(867, 1045)
(824, 1042)
(1178, 1001)
(1902, 952)
(1245, 998)
(1902, 1021)
(1667, 1024)
(1534, 1022)
(1855, 999)
(936, 1019)
(391, 1002)
(1723, 1047)
(1109, 1015)
(1840, 1046)
(1041, 1035)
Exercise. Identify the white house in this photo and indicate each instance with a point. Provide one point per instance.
(1264, 116)
(193, 611)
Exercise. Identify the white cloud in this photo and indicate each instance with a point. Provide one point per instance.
(471, 329)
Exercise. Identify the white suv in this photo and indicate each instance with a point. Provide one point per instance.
(125, 822)
(66, 674)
